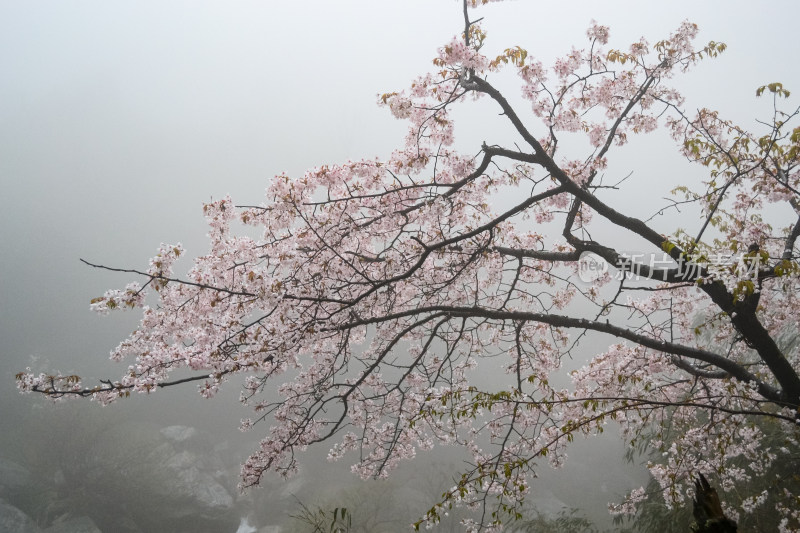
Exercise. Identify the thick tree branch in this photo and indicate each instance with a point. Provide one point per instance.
(734, 369)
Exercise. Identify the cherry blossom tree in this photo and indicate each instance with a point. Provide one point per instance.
(374, 295)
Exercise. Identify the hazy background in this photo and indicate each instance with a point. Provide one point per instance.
(118, 119)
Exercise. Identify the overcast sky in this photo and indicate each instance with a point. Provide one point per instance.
(119, 118)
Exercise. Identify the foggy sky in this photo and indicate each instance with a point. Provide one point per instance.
(118, 119)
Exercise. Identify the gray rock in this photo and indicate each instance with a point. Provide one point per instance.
(194, 483)
(246, 527)
(13, 520)
(78, 524)
(58, 477)
(13, 477)
(179, 433)
(195, 480)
